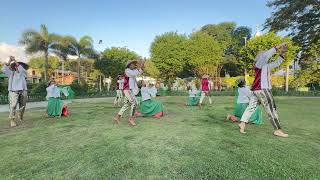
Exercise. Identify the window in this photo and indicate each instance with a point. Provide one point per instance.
(33, 72)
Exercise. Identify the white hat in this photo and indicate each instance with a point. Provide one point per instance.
(130, 62)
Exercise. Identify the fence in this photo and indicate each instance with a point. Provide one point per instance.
(276, 92)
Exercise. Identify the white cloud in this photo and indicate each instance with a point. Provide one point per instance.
(7, 50)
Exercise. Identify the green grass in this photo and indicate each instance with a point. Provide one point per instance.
(188, 143)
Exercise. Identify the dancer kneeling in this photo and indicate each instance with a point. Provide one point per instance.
(149, 106)
(243, 95)
(194, 96)
(56, 107)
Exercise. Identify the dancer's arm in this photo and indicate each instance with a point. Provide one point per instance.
(133, 73)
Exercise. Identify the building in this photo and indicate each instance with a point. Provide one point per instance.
(64, 77)
(34, 75)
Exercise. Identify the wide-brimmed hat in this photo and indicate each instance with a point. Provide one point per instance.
(24, 65)
(205, 76)
(130, 62)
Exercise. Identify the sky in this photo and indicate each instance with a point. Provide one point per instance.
(121, 23)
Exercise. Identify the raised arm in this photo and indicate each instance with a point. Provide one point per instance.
(133, 73)
(263, 58)
(276, 63)
(6, 70)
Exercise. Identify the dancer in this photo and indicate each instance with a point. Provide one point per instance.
(17, 87)
(242, 101)
(262, 89)
(130, 89)
(205, 89)
(149, 106)
(118, 99)
(193, 99)
(56, 107)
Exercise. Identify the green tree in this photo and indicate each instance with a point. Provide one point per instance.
(204, 54)
(82, 49)
(265, 42)
(151, 70)
(168, 52)
(113, 60)
(41, 41)
(299, 18)
(39, 63)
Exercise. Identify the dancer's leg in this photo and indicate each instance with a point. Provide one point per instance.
(23, 97)
(13, 101)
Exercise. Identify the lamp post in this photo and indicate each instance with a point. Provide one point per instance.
(245, 69)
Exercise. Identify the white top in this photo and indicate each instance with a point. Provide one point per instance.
(244, 95)
(121, 83)
(154, 91)
(132, 74)
(53, 91)
(193, 92)
(17, 79)
(147, 93)
(262, 63)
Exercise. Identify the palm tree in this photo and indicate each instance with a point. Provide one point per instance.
(81, 48)
(63, 49)
(41, 41)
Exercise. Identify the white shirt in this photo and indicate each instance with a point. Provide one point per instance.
(53, 91)
(132, 74)
(121, 83)
(17, 79)
(154, 91)
(193, 92)
(147, 93)
(244, 95)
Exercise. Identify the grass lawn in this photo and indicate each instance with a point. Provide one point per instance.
(188, 143)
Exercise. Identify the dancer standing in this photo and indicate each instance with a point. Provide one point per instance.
(17, 87)
(262, 89)
(243, 96)
(205, 89)
(118, 99)
(130, 89)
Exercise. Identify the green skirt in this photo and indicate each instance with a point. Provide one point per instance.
(256, 117)
(150, 107)
(193, 101)
(55, 107)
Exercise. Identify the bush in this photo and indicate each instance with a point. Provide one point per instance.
(38, 88)
(79, 89)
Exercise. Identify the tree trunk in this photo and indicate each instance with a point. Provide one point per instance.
(100, 88)
(287, 78)
(79, 65)
(46, 54)
(246, 75)
(62, 79)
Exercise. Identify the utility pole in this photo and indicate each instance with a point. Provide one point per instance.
(245, 68)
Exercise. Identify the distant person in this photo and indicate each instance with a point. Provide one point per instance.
(243, 95)
(194, 98)
(130, 90)
(205, 89)
(56, 107)
(261, 88)
(17, 87)
(119, 90)
(149, 106)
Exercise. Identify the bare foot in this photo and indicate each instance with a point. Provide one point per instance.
(12, 123)
(116, 119)
(132, 121)
(280, 133)
(242, 126)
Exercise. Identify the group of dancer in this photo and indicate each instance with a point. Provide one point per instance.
(246, 108)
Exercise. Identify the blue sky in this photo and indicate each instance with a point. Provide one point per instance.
(130, 23)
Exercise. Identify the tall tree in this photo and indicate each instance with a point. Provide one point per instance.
(168, 52)
(204, 54)
(41, 41)
(39, 63)
(82, 48)
(300, 18)
(113, 60)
